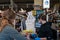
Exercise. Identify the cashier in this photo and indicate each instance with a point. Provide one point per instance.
(45, 29)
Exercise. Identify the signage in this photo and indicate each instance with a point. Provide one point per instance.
(46, 3)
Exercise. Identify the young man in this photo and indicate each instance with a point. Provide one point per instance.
(45, 29)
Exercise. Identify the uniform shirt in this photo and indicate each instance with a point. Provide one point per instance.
(45, 30)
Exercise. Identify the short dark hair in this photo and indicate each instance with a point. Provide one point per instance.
(40, 16)
(43, 17)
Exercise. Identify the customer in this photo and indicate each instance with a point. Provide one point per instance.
(45, 29)
(23, 22)
(18, 25)
(7, 32)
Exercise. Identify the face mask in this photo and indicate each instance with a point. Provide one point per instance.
(13, 22)
(40, 22)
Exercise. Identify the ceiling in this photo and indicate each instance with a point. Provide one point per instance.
(23, 3)
(17, 1)
(20, 3)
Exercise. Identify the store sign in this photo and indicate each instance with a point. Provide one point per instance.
(46, 3)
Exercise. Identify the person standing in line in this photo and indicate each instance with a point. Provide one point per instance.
(7, 32)
(24, 22)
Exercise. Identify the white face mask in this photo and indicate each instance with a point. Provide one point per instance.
(40, 21)
(43, 22)
(13, 22)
